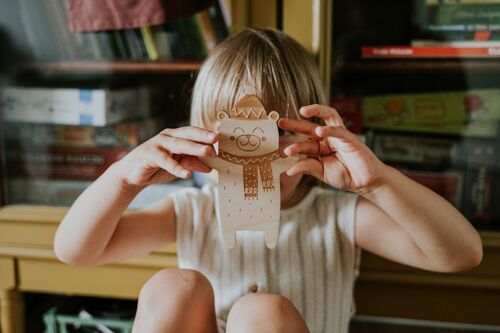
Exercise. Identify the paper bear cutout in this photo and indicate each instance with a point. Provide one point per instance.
(249, 167)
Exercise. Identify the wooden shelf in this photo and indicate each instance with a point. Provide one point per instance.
(125, 67)
(422, 65)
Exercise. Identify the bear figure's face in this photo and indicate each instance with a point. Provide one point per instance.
(249, 137)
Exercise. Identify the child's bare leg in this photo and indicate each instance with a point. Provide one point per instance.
(265, 313)
(176, 300)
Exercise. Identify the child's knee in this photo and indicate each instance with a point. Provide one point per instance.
(265, 312)
(175, 286)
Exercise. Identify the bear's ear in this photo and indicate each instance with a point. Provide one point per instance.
(273, 115)
(221, 115)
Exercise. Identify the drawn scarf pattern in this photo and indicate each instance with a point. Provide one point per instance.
(252, 165)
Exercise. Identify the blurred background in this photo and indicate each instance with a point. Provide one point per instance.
(82, 82)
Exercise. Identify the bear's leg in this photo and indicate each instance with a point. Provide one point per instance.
(271, 231)
(229, 237)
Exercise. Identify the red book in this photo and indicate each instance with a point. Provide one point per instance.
(61, 162)
(350, 111)
(430, 52)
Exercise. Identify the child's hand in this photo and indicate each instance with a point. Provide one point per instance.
(334, 155)
(170, 154)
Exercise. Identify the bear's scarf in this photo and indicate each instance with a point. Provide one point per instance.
(250, 166)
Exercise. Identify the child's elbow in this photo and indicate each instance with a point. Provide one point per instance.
(68, 254)
(476, 257)
(471, 259)
(64, 254)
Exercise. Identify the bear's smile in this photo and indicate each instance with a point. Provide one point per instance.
(248, 142)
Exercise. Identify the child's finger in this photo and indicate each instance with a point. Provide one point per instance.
(309, 148)
(173, 167)
(339, 132)
(328, 114)
(192, 133)
(194, 164)
(184, 146)
(307, 166)
(299, 126)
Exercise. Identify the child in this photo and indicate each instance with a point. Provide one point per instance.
(305, 284)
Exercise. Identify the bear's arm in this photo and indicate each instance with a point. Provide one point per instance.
(214, 162)
(283, 164)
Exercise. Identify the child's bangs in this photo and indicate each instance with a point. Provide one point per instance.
(266, 63)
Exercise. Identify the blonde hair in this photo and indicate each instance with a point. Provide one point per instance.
(267, 63)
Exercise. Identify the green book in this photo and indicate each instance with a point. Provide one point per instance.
(470, 113)
(455, 14)
(463, 2)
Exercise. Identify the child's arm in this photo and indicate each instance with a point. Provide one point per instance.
(396, 217)
(96, 230)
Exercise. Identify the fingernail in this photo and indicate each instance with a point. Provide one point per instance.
(211, 136)
(185, 173)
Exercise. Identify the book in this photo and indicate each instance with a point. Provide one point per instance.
(149, 42)
(470, 27)
(478, 13)
(413, 151)
(188, 42)
(220, 22)
(42, 162)
(19, 44)
(44, 34)
(462, 2)
(429, 52)
(65, 192)
(67, 106)
(28, 191)
(457, 44)
(447, 184)
(468, 113)
(482, 181)
(123, 135)
(350, 111)
(161, 39)
(36, 25)
(207, 29)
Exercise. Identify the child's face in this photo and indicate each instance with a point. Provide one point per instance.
(289, 184)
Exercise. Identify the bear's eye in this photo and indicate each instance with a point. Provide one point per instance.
(258, 131)
(263, 138)
(238, 131)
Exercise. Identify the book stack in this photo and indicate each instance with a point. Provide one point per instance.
(57, 140)
(44, 29)
(449, 29)
(447, 141)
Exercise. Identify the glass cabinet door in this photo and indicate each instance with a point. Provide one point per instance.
(419, 80)
(76, 97)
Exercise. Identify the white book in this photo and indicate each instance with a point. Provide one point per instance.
(93, 107)
(54, 192)
(461, 43)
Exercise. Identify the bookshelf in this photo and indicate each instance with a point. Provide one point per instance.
(386, 289)
(443, 66)
(27, 260)
(126, 67)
